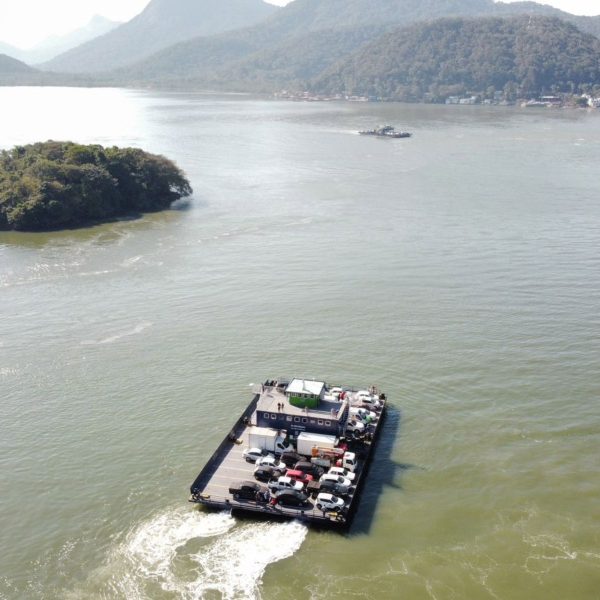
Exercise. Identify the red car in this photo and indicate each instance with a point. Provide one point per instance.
(299, 476)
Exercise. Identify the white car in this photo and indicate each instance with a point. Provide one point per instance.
(285, 483)
(340, 481)
(341, 472)
(362, 413)
(367, 401)
(252, 454)
(329, 502)
(271, 461)
(355, 426)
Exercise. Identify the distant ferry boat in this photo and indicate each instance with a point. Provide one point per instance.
(386, 131)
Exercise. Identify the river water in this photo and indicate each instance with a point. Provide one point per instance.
(457, 270)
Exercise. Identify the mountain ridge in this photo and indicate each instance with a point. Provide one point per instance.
(11, 66)
(197, 58)
(161, 24)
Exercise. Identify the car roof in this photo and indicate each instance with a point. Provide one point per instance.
(325, 496)
(295, 493)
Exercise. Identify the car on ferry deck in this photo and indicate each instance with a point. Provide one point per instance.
(357, 428)
(266, 473)
(329, 502)
(285, 483)
(270, 461)
(310, 468)
(291, 498)
(253, 454)
(344, 483)
(340, 471)
(331, 487)
(290, 458)
(362, 413)
(299, 476)
(246, 490)
(363, 397)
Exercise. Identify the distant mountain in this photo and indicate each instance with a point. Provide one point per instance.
(16, 72)
(291, 27)
(290, 47)
(528, 55)
(57, 44)
(11, 51)
(301, 40)
(161, 24)
(12, 66)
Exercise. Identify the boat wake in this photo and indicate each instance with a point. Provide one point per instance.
(117, 336)
(192, 555)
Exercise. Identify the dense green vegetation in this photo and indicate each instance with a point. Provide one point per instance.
(522, 56)
(54, 185)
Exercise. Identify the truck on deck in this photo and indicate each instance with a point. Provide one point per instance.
(345, 460)
(267, 439)
(307, 443)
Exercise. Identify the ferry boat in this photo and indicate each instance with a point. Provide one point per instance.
(386, 131)
(300, 450)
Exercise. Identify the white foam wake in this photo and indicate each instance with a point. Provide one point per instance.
(193, 555)
(234, 564)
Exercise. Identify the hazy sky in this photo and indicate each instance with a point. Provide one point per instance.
(24, 23)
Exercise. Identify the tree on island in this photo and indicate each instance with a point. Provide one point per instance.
(57, 185)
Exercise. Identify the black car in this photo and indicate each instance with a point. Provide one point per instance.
(289, 458)
(291, 498)
(246, 490)
(267, 472)
(309, 469)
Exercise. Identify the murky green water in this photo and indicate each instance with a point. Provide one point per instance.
(458, 270)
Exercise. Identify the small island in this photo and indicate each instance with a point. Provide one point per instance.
(61, 185)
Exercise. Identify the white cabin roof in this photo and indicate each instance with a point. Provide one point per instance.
(305, 386)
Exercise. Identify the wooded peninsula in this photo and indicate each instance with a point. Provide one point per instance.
(61, 185)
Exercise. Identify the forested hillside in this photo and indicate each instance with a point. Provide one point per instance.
(298, 42)
(523, 55)
(244, 64)
(585, 24)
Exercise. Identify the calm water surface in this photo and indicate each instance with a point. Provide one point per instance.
(458, 270)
